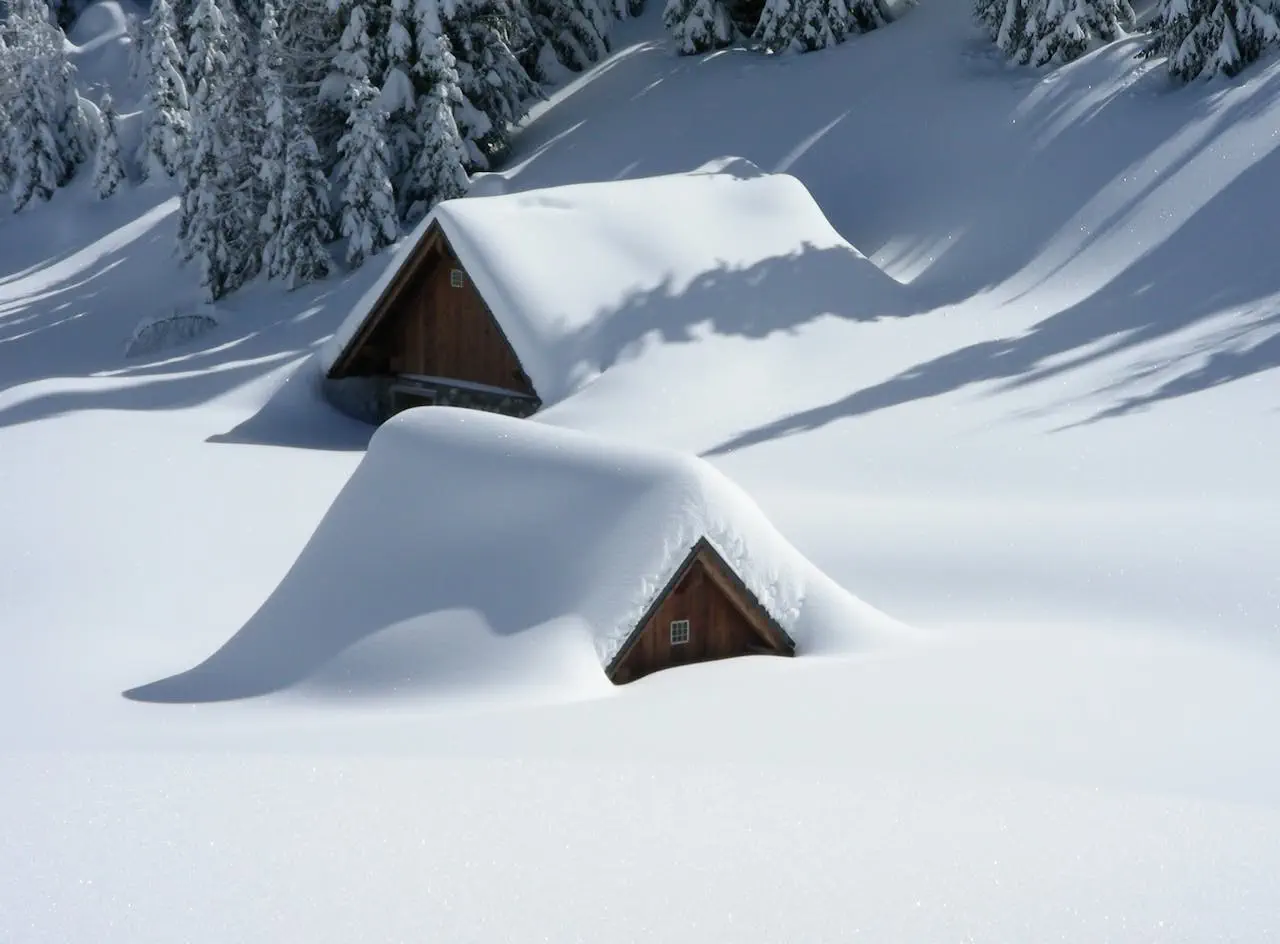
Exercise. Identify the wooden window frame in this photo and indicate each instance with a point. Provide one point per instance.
(680, 632)
(457, 278)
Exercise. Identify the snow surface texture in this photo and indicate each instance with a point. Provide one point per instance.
(569, 271)
(1059, 460)
(537, 530)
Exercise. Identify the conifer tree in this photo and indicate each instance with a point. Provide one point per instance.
(577, 31)
(368, 201)
(168, 129)
(41, 154)
(438, 173)
(473, 124)
(399, 90)
(138, 52)
(866, 15)
(803, 25)
(300, 255)
(75, 134)
(216, 223)
(206, 227)
(36, 165)
(1203, 38)
(269, 161)
(698, 26)
(244, 131)
(208, 49)
(1006, 23)
(308, 35)
(490, 76)
(108, 169)
(8, 76)
(1062, 30)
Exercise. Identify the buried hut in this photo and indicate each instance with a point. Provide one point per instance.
(471, 550)
(511, 302)
(703, 613)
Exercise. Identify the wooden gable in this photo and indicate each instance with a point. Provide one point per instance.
(704, 613)
(432, 321)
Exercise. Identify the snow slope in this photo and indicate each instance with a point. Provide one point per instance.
(1058, 458)
(551, 536)
(571, 272)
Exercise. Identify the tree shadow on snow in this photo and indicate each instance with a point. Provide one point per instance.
(1189, 273)
(781, 294)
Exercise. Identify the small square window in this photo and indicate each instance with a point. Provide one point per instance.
(456, 278)
(679, 632)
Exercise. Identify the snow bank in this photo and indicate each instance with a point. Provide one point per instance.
(512, 553)
(563, 269)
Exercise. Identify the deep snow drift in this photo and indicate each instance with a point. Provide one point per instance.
(460, 530)
(576, 275)
(1059, 459)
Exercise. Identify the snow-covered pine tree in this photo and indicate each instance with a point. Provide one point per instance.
(75, 134)
(308, 35)
(217, 220)
(182, 10)
(1062, 30)
(577, 31)
(866, 15)
(803, 25)
(698, 26)
(368, 205)
(244, 131)
(399, 92)
(1203, 38)
(1006, 23)
(208, 49)
(474, 125)
(301, 255)
(490, 75)
(206, 226)
(250, 12)
(269, 161)
(8, 82)
(137, 31)
(627, 9)
(168, 129)
(108, 169)
(37, 164)
(36, 36)
(438, 173)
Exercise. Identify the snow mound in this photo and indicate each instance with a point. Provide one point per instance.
(98, 23)
(735, 166)
(166, 331)
(491, 552)
(567, 270)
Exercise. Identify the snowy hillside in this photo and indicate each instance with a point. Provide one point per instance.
(1050, 451)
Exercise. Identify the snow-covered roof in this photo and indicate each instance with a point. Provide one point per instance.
(537, 529)
(556, 266)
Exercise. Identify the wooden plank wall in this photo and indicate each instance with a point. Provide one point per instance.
(718, 629)
(449, 332)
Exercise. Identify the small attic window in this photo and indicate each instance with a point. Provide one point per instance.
(456, 278)
(679, 632)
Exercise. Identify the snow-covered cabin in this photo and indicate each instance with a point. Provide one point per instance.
(511, 301)
(474, 550)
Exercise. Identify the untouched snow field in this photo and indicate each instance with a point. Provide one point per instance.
(1053, 457)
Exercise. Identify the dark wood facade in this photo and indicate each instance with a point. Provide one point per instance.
(707, 606)
(431, 322)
